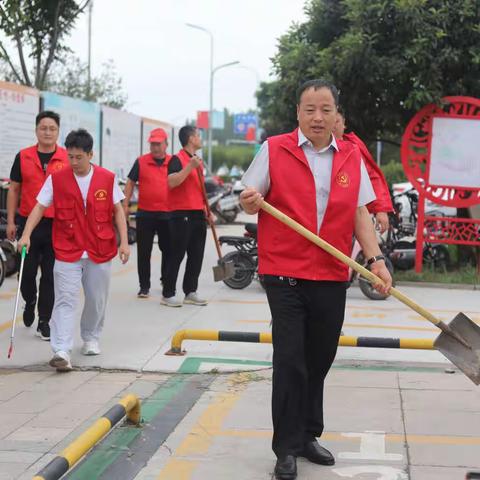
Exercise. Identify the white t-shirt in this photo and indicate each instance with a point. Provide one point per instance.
(45, 196)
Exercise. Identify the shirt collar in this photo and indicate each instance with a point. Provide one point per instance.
(302, 140)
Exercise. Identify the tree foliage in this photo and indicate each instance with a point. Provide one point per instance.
(70, 78)
(387, 57)
(35, 30)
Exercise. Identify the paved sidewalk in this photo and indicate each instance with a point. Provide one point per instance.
(409, 422)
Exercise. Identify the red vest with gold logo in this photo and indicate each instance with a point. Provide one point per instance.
(152, 184)
(281, 250)
(188, 195)
(77, 229)
(33, 176)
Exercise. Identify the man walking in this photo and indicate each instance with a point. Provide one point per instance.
(87, 202)
(31, 167)
(150, 171)
(188, 226)
(321, 183)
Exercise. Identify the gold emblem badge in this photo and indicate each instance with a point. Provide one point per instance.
(100, 195)
(343, 179)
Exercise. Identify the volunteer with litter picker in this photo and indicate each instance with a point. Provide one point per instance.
(31, 167)
(87, 202)
(321, 183)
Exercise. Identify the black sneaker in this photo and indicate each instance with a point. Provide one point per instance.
(43, 330)
(143, 293)
(29, 314)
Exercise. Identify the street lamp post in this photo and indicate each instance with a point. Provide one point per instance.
(212, 73)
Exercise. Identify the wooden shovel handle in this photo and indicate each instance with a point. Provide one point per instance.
(345, 259)
(209, 212)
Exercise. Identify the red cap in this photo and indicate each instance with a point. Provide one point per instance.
(157, 135)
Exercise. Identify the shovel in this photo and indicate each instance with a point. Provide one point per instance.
(459, 340)
(223, 270)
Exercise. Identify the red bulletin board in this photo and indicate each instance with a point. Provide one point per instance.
(416, 152)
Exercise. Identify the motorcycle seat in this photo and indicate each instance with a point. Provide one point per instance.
(251, 228)
(232, 240)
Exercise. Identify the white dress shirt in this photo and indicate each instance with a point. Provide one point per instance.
(320, 162)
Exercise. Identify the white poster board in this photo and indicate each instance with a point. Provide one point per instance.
(455, 152)
(148, 125)
(74, 114)
(120, 140)
(19, 106)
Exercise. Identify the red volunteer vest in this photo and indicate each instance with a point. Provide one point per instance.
(281, 250)
(383, 202)
(188, 195)
(152, 184)
(33, 176)
(76, 229)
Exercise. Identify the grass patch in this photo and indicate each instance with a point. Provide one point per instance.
(467, 275)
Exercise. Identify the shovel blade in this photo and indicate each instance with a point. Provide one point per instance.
(466, 359)
(223, 271)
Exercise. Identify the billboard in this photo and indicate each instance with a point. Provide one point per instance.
(121, 140)
(75, 113)
(148, 124)
(243, 122)
(19, 106)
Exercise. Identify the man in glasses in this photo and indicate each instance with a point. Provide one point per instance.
(31, 167)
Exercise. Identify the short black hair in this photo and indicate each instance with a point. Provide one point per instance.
(47, 114)
(341, 110)
(79, 139)
(316, 84)
(185, 133)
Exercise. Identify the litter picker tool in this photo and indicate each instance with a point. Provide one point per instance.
(17, 297)
(222, 270)
(459, 340)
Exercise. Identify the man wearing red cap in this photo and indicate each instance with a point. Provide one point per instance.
(152, 218)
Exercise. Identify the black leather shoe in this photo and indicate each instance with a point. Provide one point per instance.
(286, 468)
(315, 453)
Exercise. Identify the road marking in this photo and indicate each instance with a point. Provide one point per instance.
(177, 469)
(389, 327)
(386, 473)
(372, 447)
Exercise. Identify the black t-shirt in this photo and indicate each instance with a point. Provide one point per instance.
(174, 166)
(16, 171)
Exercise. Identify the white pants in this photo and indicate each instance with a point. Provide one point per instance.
(95, 278)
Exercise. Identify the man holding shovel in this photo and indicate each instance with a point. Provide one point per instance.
(188, 227)
(321, 183)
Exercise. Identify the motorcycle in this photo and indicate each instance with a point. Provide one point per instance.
(244, 258)
(223, 203)
(400, 243)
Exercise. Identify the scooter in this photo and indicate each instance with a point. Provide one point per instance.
(224, 205)
(244, 258)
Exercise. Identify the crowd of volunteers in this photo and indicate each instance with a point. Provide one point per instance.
(66, 209)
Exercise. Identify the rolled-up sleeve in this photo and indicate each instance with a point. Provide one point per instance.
(366, 193)
(258, 174)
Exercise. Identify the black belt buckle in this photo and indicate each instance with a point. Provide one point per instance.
(292, 281)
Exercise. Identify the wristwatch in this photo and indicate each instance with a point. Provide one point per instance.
(375, 259)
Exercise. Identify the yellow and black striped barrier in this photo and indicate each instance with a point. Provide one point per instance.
(128, 406)
(266, 337)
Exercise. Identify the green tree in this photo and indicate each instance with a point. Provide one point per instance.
(36, 31)
(387, 57)
(70, 78)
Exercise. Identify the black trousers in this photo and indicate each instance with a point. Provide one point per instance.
(147, 228)
(187, 234)
(40, 255)
(307, 318)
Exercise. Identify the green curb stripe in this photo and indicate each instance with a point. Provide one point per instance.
(192, 364)
(109, 449)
